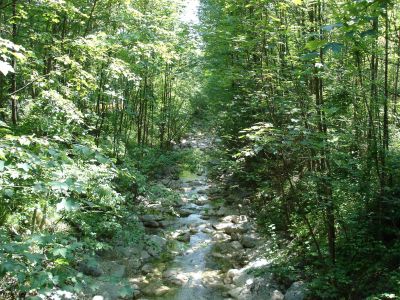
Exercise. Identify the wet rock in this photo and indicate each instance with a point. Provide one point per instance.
(193, 230)
(151, 221)
(212, 280)
(156, 245)
(91, 267)
(219, 236)
(297, 291)
(184, 237)
(114, 268)
(239, 293)
(236, 219)
(175, 277)
(183, 213)
(147, 268)
(250, 240)
(148, 218)
(144, 255)
(197, 183)
(237, 228)
(155, 289)
(222, 226)
(151, 224)
(236, 245)
(165, 223)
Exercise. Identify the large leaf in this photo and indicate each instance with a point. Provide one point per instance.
(335, 47)
(315, 44)
(59, 186)
(6, 68)
(67, 205)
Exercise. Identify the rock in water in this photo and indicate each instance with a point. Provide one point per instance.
(156, 245)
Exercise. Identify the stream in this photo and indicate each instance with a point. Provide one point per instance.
(193, 267)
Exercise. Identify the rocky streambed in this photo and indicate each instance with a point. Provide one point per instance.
(208, 251)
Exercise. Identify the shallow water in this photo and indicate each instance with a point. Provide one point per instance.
(193, 263)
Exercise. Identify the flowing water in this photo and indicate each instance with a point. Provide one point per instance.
(194, 263)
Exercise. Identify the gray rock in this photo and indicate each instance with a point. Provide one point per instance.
(184, 237)
(249, 240)
(155, 289)
(90, 267)
(297, 291)
(151, 224)
(183, 213)
(148, 218)
(144, 255)
(147, 268)
(155, 245)
(220, 236)
(175, 277)
(236, 245)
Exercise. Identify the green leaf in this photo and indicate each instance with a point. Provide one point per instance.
(101, 159)
(309, 56)
(315, 44)
(370, 32)
(23, 166)
(67, 205)
(335, 47)
(6, 68)
(60, 252)
(2, 163)
(59, 186)
(2, 154)
(9, 193)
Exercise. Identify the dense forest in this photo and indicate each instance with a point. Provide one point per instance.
(98, 99)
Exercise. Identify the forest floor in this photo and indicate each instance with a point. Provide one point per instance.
(207, 251)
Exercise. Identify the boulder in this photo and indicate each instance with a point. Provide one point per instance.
(297, 291)
(147, 268)
(237, 228)
(151, 221)
(183, 213)
(91, 267)
(236, 245)
(220, 236)
(249, 240)
(144, 255)
(148, 218)
(222, 226)
(155, 289)
(175, 277)
(236, 219)
(156, 245)
(184, 237)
